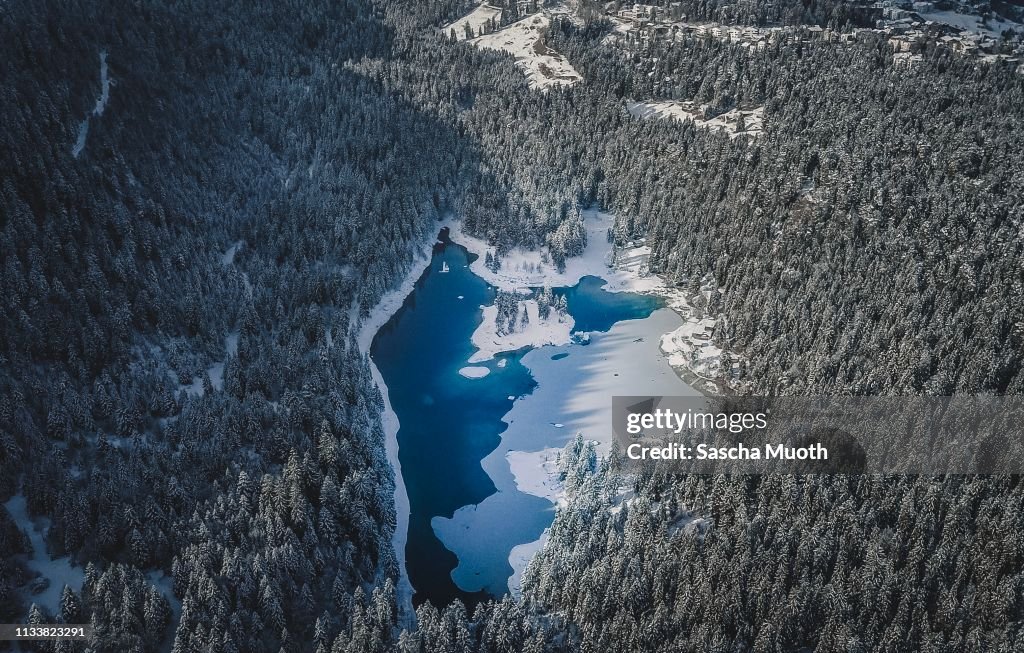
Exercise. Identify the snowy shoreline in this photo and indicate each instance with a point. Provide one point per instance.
(657, 355)
(691, 352)
(556, 329)
(377, 318)
(526, 458)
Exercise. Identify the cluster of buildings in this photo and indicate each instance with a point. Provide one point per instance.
(646, 21)
(637, 12)
(907, 25)
(984, 30)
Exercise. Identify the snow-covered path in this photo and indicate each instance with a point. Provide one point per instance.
(58, 572)
(101, 104)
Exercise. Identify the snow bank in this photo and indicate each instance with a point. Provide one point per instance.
(378, 317)
(536, 473)
(728, 122)
(521, 556)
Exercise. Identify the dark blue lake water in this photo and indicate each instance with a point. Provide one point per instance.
(595, 309)
(449, 423)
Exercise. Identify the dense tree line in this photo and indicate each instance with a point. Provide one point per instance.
(781, 563)
(865, 243)
(181, 389)
(837, 14)
(902, 183)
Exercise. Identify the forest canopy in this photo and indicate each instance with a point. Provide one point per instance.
(185, 404)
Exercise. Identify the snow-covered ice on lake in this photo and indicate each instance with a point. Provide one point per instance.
(572, 396)
(474, 372)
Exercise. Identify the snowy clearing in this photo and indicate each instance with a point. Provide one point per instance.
(57, 572)
(992, 28)
(474, 20)
(728, 122)
(228, 257)
(522, 39)
(215, 372)
(474, 372)
(688, 524)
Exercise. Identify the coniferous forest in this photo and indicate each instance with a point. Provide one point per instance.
(185, 403)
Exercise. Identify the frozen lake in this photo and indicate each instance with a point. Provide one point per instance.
(461, 424)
